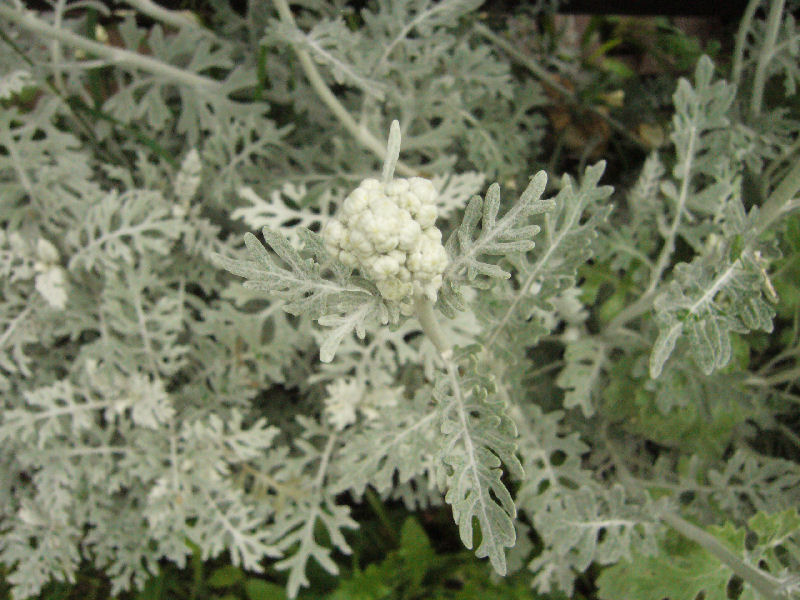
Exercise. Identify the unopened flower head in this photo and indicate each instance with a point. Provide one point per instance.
(388, 231)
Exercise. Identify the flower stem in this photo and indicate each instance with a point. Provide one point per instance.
(431, 328)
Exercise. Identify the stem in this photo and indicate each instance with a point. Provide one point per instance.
(779, 358)
(781, 199)
(785, 376)
(669, 243)
(546, 369)
(279, 487)
(430, 326)
(114, 55)
(768, 586)
(361, 134)
(170, 17)
(643, 304)
(765, 56)
(376, 504)
(55, 47)
(791, 435)
(741, 40)
(325, 458)
(552, 83)
(777, 162)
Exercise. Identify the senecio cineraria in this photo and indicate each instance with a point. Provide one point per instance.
(586, 373)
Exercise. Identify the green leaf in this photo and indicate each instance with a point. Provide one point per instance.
(415, 551)
(225, 576)
(682, 570)
(258, 589)
(778, 541)
(373, 583)
(774, 529)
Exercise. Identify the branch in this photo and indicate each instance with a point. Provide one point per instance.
(114, 55)
(360, 133)
(177, 19)
(782, 199)
(765, 55)
(741, 39)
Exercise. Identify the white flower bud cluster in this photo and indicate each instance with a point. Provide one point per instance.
(387, 230)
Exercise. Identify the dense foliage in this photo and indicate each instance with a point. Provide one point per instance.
(607, 379)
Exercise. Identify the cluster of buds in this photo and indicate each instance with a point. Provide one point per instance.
(387, 230)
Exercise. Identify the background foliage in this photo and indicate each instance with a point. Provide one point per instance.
(603, 401)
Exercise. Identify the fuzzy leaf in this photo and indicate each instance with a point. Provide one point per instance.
(302, 288)
(478, 438)
(281, 211)
(707, 301)
(122, 226)
(580, 377)
(511, 234)
(521, 314)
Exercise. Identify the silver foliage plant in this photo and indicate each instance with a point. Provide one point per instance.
(152, 402)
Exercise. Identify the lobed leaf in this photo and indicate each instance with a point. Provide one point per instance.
(478, 438)
(303, 290)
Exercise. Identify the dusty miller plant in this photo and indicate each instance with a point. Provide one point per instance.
(151, 401)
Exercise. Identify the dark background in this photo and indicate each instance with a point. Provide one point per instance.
(725, 9)
(721, 8)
